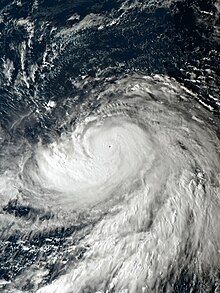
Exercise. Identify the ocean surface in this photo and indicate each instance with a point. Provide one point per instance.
(109, 146)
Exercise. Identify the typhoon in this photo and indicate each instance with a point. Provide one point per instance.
(110, 147)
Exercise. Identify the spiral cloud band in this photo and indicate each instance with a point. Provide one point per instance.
(152, 158)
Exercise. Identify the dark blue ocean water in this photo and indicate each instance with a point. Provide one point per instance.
(179, 41)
